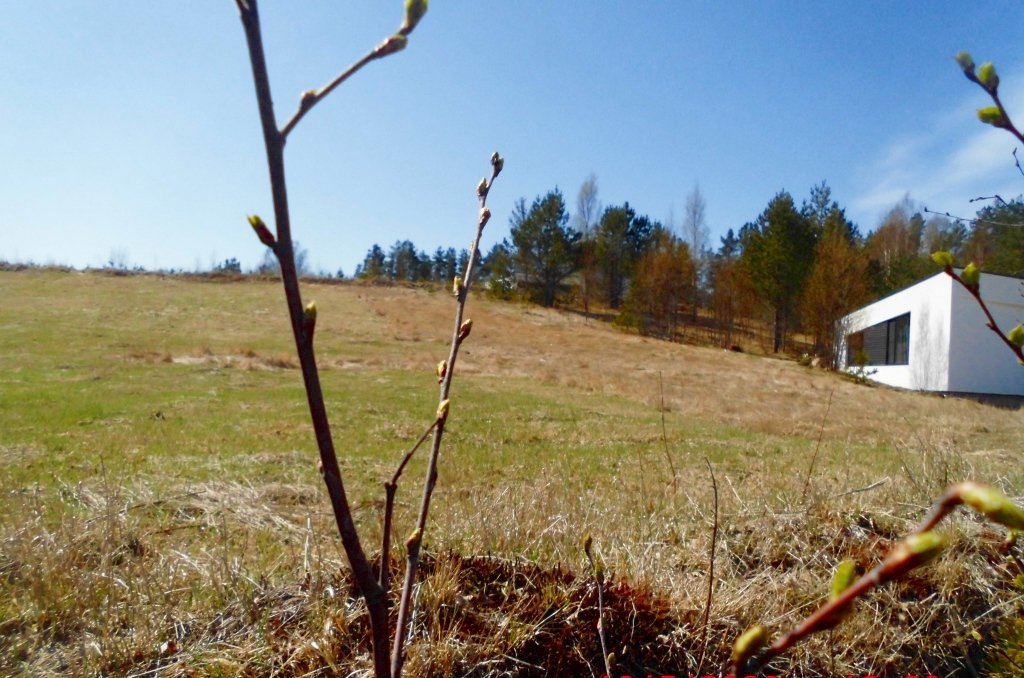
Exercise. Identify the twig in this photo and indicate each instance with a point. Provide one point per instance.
(711, 572)
(814, 457)
(877, 483)
(919, 547)
(664, 434)
(975, 291)
(460, 289)
(390, 488)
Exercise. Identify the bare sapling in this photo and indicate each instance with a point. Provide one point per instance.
(374, 588)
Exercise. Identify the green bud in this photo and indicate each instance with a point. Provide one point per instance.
(309, 320)
(943, 258)
(413, 539)
(971, 274)
(752, 640)
(414, 11)
(993, 504)
(988, 76)
(588, 542)
(442, 369)
(442, 410)
(844, 577)
(966, 62)
(457, 285)
(465, 328)
(991, 115)
(262, 232)
(913, 551)
(1016, 336)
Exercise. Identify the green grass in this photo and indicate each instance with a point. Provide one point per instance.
(156, 453)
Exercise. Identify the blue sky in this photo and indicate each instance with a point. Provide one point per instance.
(130, 127)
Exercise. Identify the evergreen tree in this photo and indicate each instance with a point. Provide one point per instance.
(622, 238)
(546, 247)
(778, 250)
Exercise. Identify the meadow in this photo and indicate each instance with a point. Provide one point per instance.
(161, 512)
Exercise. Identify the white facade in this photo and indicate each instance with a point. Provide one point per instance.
(951, 348)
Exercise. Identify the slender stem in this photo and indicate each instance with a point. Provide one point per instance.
(711, 571)
(390, 488)
(817, 446)
(274, 143)
(664, 434)
(313, 97)
(430, 481)
(975, 291)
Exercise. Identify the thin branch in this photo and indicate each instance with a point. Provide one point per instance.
(390, 488)
(460, 288)
(711, 572)
(975, 291)
(996, 197)
(1016, 161)
(814, 457)
(313, 97)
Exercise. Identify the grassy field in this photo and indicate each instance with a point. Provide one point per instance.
(161, 512)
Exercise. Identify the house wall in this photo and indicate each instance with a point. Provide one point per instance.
(928, 303)
(979, 362)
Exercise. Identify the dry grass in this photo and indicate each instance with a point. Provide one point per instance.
(160, 508)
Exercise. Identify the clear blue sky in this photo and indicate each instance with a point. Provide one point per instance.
(131, 126)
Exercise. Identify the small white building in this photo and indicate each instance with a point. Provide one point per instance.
(933, 336)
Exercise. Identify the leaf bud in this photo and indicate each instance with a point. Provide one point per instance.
(457, 285)
(913, 551)
(442, 410)
(943, 258)
(991, 115)
(442, 369)
(262, 232)
(414, 11)
(971, 275)
(497, 164)
(485, 216)
(481, 188)
(465, 328)
(747, 645)
(963, 58)
(1016, 336)
(309, 320)
(588, 542)
(988, 77)
(414, 539)
(395, 43)
(846, 574)
(993, 504)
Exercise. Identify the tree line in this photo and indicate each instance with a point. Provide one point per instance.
(794, 269)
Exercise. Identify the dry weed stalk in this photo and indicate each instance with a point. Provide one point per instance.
(303, 320)
(919, 547)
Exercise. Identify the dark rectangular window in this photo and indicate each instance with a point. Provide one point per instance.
(887, 343)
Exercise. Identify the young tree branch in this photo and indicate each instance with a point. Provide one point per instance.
(460, 288)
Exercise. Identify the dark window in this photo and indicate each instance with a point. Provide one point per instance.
(887, 343)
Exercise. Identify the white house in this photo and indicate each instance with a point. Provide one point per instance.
(933, 336)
